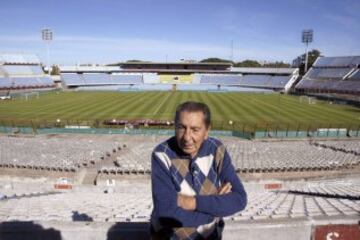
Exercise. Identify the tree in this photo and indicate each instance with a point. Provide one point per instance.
(134, 61)
(215, 60)
(247, 63)
(55, 70)
(300, 60)
(277, 65)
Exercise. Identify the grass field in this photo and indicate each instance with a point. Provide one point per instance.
(249, 109)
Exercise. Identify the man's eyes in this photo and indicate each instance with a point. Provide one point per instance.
(182, 128)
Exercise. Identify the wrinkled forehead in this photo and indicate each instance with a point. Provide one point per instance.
(191, 119)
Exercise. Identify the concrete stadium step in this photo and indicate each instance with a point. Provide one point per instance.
(90, 176)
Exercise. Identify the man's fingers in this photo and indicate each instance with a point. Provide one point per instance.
(186, 202)
(229, 189)
(225, 188)
(179, 200)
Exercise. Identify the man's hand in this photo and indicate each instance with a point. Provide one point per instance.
(189, 203)
(225, 188)
(186, 202)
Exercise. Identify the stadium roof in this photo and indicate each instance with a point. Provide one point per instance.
(344, 61)
(177, 63)
(18, 58)
(258, 70)
(178, 67)
(77, 68)
(156, 70)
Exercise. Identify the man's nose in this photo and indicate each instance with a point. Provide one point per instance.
(187, 135)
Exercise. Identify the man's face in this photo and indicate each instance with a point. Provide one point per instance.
(191, 132)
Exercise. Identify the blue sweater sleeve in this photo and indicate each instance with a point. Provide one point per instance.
(165, 199)
(226, 204)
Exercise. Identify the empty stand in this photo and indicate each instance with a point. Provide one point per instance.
(26, 82)
(131, 202)
(265, 81)
(355, 76)
(332, 74)
(40, 153)
(73, 79)
(100, 79)
(279, 79)
(5, 82)
(127, 79)
(220, 79)
(197, 87)
(128, 199)
(249, 156)
(22, 71)
(9, 58)
(17, 70)
(97, 79)
(337, 61)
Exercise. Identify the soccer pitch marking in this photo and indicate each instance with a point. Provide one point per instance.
(156, 112)
(240, 108)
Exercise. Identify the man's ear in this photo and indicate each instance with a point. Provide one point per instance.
(207, 132)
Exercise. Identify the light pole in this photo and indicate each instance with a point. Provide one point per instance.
(232, 51)
(307, 37)
(47, 36)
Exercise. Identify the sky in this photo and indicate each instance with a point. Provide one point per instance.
(108, 31)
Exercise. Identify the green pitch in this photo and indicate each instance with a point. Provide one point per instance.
(242, 109)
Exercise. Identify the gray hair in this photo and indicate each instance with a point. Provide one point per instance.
(190, 106)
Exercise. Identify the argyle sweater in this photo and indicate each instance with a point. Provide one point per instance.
(173, 172)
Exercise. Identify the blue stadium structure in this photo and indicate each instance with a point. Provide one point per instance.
(332, 75)
(179, 76)
(21, 71)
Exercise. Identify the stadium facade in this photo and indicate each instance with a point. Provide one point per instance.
(179, 76)
(22, 71)
(338, 76)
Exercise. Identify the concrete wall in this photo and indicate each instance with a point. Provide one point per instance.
(299, 229)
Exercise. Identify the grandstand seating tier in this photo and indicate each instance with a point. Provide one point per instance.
(295, 200)
(349, 61)
(332, 74)
(9, 58)
(355, 75)
(195, 82)
(23, 71)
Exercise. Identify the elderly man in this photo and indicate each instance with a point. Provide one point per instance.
(194, 183)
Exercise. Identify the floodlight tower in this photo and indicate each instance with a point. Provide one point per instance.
(47, 36)
(232, 51)
(307, 37)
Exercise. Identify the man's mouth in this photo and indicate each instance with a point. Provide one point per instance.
(187, 146)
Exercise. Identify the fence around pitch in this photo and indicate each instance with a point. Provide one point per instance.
(231, 128)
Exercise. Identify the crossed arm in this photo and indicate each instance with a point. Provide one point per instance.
(189, 202)
(231, 197)
(164, 196)
(192, 211)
